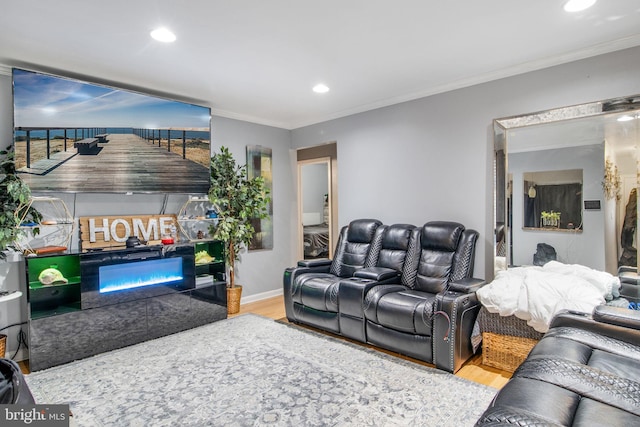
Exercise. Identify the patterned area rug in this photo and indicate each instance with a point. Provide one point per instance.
(253, 371)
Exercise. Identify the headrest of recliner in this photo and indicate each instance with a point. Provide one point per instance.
(362, 230)
(397, 236)
(441, 235)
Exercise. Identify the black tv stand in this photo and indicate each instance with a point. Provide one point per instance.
(81, 318)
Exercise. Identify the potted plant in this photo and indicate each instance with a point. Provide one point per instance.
(550, 219)
(237, 200)
(14, 200)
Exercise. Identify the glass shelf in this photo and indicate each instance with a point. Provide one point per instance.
(195, 219)
(54, 231)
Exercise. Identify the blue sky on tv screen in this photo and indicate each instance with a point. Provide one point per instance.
(42, 100)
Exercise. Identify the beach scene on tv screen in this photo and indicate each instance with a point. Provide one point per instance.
(75, 136)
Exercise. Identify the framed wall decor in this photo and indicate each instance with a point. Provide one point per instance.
(75, 136)
(259, 164)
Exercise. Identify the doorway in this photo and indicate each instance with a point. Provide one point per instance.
(317, 196)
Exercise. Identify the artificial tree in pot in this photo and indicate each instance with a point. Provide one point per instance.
(14, 199)
(237, 200)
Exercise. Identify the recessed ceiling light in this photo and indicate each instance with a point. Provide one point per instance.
(578, 5)
(163, 35)
(321, 88)
(625, 118)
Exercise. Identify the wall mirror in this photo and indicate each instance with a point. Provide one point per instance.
(315, 178)
(589, 154)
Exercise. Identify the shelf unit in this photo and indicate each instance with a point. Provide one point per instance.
(194, 219)
(213, 271)
(54, 231)
(53, 299)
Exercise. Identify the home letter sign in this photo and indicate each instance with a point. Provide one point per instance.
(113, 231)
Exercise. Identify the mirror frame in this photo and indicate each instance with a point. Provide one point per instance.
(500, 159)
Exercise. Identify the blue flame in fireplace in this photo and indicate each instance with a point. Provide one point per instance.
(138, 274)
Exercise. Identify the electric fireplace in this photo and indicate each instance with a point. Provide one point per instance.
(119, 277)
(113, 277)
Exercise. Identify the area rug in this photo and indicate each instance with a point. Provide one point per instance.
(253, 371)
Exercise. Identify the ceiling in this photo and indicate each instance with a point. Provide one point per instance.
(257, 60)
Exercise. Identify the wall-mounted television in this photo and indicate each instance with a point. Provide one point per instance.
(76, 136)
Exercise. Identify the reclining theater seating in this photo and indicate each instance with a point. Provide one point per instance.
(413, 317)
(583, 372)
(311, 289)
(412, 294)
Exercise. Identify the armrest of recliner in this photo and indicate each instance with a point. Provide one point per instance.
(627, 269)
(628, 276)
(377, 273)
(467, 286)
(351, 293)
(617, 316)
(290, 275)
(613, 322)
(454, 316)
(317, 262)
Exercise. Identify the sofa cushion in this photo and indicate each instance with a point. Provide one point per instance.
(439, 242)
(441, 236)
(406, 310)
(362, 230)
(593, 413)
(395, 244)
(525, 402)
(434, 270)
(318, 291)
(357, 247)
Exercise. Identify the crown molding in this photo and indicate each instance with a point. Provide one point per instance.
(5, 70)
(247, 118)
(548, 62)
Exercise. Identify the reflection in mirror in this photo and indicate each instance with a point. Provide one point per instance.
(314, 182)
(553, 200)
(598, 142)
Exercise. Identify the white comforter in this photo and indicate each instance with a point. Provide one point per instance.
(536, 294)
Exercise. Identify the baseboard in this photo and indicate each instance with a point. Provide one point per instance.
(259, 297)
(23, 354)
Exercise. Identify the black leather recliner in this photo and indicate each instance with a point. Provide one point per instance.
(411, 275)
(583, 372)
(311, 288)
(429, 313)
(395, 246)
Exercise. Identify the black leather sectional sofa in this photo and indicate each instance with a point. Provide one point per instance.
(584, 372)
(404, 288)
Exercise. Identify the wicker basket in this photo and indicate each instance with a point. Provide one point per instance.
(3, 345)
(505, 352)
(233, 299)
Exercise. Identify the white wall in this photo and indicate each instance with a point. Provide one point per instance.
(431, 158)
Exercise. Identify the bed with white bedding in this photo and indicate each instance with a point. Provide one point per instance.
(536, 294)
(518, 305)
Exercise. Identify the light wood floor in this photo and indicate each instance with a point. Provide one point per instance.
(473, 370)
(273, 308)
